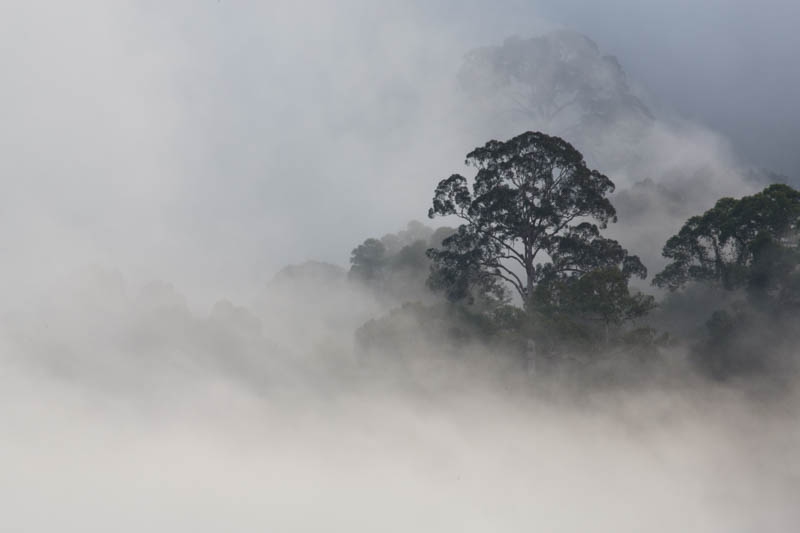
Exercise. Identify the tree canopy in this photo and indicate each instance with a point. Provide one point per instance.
(368, 260)
(534, 215)
(745, 243)
(750, 245)
(396, 266)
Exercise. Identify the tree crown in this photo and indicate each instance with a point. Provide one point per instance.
(532, 197)
(724, 245)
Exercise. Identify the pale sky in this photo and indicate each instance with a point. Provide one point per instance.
(214, 142)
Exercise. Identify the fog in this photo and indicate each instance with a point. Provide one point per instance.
(726, 63)
(143, 136)
(161, 369)
(141, 415)
(214, 457)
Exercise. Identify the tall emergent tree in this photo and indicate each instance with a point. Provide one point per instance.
(533, 218)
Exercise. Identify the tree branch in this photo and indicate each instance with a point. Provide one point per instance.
(510, 272)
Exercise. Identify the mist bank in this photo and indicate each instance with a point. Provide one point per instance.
(207, 143)
(198, 451)
(126, 408)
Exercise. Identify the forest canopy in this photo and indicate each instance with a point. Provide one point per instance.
(529, 268)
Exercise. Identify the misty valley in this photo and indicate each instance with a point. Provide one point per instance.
(364, 266)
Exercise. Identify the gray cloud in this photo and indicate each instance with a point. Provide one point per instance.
(728, 64)
(217, 141)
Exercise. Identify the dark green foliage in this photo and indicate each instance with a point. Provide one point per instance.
(737, 343)
(774, 276)
(368, 261)
(737, 244)
(587, 313)
(396, 266)
(600, 299)
(746, 247)
(458, 270)
(532, 220)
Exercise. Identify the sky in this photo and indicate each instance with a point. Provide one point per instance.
(729, 64)
(215, 142)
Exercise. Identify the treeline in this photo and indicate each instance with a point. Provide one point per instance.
(528, 270)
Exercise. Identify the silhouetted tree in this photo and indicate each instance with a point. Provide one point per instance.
(747, 248)
(746, 243)
(396, 266)
(368, 260)
(533, 216)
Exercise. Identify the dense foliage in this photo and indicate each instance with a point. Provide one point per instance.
(745, 243)
(533, 216)
(747, 248)
(529, 271)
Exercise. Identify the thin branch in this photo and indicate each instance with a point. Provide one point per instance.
(513, 257)
(509, 271)
(519, 289)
